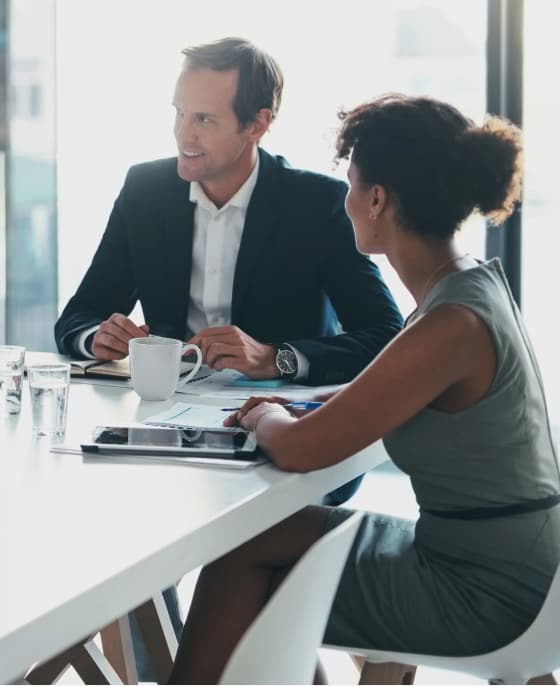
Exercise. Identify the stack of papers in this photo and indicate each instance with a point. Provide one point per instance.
(232, 384)
(192, 416)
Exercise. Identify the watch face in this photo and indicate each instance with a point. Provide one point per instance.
(286, 361)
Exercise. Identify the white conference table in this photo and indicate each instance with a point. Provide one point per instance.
(83, 542)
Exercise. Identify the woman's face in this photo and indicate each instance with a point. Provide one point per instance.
(359, 207)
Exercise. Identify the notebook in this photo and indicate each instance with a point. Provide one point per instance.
(118, 369)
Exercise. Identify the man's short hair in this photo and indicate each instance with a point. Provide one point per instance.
(260, 78)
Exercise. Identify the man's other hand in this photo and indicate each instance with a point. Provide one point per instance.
(228, 347)
(111, 340)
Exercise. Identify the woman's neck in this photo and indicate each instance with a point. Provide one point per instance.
(421, 264)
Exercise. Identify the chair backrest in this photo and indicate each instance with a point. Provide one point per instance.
(280, 646)
(537, 650)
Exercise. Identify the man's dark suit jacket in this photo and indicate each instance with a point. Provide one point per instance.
(298, 270)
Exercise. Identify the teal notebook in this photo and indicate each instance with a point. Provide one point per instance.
(245, 382)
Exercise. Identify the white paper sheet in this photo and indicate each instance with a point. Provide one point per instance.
(192, 416)
(234, 385)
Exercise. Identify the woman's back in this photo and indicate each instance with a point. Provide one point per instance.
(500, 450)
(474, 572)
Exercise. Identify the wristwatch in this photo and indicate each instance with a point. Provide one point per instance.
(286, 361)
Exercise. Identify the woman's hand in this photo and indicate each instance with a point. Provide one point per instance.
(251, 418)
(235, 418)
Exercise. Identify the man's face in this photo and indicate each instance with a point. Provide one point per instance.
(213, 148)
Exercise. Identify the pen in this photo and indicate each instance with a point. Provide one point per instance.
(304, 405)
(296, 405)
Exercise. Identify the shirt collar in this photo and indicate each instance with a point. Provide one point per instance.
(240, 199)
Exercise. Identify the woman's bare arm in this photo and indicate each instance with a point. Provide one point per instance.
(442, 350)
(323, 397)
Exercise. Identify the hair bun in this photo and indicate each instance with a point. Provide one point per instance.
(491, 159)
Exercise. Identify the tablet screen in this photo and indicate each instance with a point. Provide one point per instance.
(238, 445)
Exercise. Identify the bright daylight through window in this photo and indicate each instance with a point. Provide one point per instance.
(116, 64)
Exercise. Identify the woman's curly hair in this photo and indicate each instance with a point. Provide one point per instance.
(437, 164)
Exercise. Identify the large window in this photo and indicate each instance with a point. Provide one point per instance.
(30, 170)
(116, 65)
(118, 62)
(541, 209)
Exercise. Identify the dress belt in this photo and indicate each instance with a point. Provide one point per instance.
(498, 511)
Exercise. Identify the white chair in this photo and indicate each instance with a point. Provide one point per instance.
(280, 646)
(530, 658)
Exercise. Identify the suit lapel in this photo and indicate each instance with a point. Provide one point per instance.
(260, 225)
(177, 240)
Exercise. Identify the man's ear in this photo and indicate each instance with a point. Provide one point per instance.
(260, 124)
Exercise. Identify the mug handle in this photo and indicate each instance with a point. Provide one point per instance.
(193, 371)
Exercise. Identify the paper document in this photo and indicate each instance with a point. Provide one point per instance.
(232, 384)
(228, 384)
(189, 416)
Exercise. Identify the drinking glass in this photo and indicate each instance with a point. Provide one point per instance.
(11, 371)
(48, 386)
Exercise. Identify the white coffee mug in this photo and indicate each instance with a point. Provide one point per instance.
(155, 365)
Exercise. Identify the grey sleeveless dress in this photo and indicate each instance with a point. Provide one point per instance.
(459, 586)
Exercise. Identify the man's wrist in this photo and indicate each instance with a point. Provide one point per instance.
(302, 364)
(82, 342)
(269, 368)
(286, 361)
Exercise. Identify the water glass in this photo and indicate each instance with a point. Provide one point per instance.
(11, 371)
(48, 386)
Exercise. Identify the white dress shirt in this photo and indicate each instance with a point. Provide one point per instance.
(216, 240)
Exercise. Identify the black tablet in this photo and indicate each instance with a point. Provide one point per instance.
(236, 449)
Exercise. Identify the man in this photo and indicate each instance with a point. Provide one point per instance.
(229, 247)
(232, 249)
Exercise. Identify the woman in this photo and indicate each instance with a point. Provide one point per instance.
(457, 398)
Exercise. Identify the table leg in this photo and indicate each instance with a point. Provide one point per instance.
(85, 657)
(116, 640)
(159, 636)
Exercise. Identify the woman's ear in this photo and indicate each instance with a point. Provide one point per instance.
(378, 200)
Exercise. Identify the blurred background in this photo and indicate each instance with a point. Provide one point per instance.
(86, 88)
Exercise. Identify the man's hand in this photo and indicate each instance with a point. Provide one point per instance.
(111, 340)
(227, 347)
